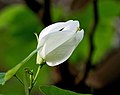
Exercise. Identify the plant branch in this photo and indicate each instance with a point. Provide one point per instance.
(26, 82)
(91, 38)
(14, 70)
(38, 70)
(35, 78)
(33, 5)
(47, 15)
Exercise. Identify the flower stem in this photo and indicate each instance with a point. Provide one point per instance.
(38, 70)
(29, 56)
(31, 79)
(26, 82)
(36, 76)
(14, 70)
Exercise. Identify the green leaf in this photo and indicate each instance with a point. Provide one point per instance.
(2, 75)
(19, 24)
(53, 90)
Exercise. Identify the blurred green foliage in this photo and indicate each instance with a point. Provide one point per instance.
(105, 31)
(17, 27)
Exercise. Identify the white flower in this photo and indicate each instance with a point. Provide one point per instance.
(58, 41)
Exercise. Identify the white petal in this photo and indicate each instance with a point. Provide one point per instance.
(53, 41)
(69, 25)
(64, 51)
(51, 28)
(72, 25)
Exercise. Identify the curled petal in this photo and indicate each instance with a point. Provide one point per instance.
(51, 28)
(64, 51)
(69, 25)
(79, 36)
(53, 41)
(58, 41)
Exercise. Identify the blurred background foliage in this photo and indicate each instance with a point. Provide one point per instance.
(18, 25)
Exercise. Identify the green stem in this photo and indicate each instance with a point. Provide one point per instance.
(29, 56)
(13, 71)
(26, 83)
(38, 70)
(36, 76)
(31, 80)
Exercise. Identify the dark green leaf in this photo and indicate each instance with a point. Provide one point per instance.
(53, 90)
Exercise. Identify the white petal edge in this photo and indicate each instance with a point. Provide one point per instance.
(70, 24)
(79, 36)
(51, 28)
